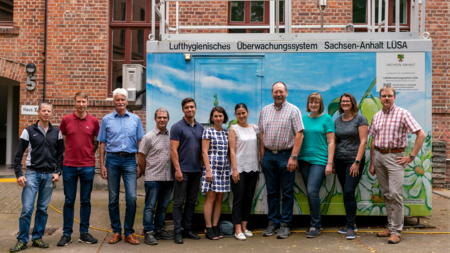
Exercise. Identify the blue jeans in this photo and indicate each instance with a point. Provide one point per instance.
(313, 176)
(116, 167)
(156, 191)
(349, 185)
(37, 183)
(70, 179)
(277, 176)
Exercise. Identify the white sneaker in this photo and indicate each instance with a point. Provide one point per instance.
(248, 233)
(240, 236)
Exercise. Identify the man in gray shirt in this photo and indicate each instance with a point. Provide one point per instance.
(154, 161)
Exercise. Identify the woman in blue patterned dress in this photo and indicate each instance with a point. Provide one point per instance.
(216, 173)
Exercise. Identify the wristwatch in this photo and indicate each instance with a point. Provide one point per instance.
(294, 156)
(357, 161)
(412, 156)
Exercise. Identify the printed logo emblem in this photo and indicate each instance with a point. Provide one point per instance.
(87, 127)
(35, 134)
(400, 57)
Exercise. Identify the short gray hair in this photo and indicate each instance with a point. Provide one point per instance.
(162, 110)
(120, 91)
(45, 103)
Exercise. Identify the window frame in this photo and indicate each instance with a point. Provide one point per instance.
(247, 17)
(8, 23)
(128, 25)
(391, 21)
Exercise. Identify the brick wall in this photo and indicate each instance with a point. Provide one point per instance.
(305, 12)
(438, 25)
(200, 13)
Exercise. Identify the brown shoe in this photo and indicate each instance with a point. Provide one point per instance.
(394, 239)
(384, 233)
(131, 240)
(115, 239)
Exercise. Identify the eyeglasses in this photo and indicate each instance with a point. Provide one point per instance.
(387, 96)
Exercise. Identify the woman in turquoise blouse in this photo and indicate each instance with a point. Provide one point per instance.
(316, 156)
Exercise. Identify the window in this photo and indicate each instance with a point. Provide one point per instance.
(251, 13)
(360, 13)
(130, 25)
(6, 12)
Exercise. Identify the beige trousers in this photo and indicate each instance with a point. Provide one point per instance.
(390, 178)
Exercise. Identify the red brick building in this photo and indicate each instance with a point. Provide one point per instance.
(82, 44)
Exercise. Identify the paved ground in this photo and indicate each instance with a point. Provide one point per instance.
(327, 242)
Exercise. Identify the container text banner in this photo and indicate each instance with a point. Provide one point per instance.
(288, 47)
(403, 71)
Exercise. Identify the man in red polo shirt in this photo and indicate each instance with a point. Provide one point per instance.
(80, 131)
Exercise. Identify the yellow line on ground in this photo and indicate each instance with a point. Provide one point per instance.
(8, 180)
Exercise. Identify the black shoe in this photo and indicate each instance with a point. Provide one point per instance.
(313, 232)
(64, 241)
(178, 238)
(87, 238)
(18, 247)
(150, 238)
(270, 230)
(191, 235)
(284, 231)
(40, 243)
(163, 235)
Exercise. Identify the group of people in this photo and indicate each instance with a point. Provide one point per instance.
(214, 159)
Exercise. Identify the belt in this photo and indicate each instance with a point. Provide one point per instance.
(387, 151)
(279, 151)
(122, 154)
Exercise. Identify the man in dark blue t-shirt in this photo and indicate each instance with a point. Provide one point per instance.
(186, 151)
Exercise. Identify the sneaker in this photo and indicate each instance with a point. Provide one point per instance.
(240, 237)
(87, 238)
(40, 243)
(64, 241)
(313, 232)
(270, 230)
(350, 234)
(284, 231)
(163, 235)
(18, 247)
(248, 233)
(150, 238)
(344, 230)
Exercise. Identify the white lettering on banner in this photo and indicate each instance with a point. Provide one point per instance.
(29, 109)
(403, 71)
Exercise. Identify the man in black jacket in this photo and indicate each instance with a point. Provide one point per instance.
(44, 163)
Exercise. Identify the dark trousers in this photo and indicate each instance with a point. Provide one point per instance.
(186, 189)
(70, 180)
(349, 185)
(277, 176)
(313, 176)
(243, 192)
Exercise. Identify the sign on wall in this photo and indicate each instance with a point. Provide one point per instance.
(403, 71)
(29, 110)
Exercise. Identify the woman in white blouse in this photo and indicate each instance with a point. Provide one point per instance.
(243, 143)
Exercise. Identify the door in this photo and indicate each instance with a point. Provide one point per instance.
(226, 81)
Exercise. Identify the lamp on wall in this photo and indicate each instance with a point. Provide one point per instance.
(322, 4)
(31, 69)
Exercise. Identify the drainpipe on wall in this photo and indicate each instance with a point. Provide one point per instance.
(45, 51)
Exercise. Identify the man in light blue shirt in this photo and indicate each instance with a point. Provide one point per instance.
(120, 135)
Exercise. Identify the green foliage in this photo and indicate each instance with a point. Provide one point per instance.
(334, 106)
